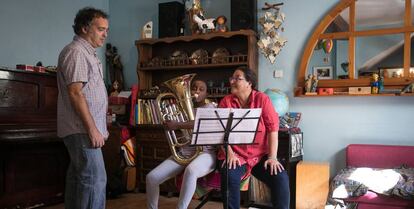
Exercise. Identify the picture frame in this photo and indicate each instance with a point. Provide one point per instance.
(391, 72)
(296, 145)
(323, 72)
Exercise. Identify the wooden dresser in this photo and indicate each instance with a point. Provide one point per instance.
(152, 149)
(33, 160)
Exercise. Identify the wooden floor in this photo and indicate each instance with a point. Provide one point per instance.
(138, 201)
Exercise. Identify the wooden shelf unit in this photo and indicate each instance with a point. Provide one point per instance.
(241, 46)
(152, 147)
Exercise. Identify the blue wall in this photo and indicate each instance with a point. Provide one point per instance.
(32, 32)
(127, 19)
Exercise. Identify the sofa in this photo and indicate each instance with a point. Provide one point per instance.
(379, 156)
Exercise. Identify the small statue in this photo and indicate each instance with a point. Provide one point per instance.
(221, 24)
(381, 84)
(308, 83)
(192, 12)
(115, 66)
(314, 83)
(374, 84)
(114, 89)
(147, 30)
(205, 25)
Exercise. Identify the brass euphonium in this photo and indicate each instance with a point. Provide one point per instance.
(181, 112)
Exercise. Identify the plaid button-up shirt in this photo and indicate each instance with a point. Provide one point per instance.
(78, 62)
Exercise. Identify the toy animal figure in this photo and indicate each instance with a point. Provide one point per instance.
(205, 25)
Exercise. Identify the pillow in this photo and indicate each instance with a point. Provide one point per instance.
(353, 182)
(405, 186)
(344, 187)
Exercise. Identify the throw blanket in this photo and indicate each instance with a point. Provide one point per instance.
(352, 182)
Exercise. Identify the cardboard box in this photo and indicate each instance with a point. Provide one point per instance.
(25, 67)
(325, 91)
(39, 69)
(360, 90)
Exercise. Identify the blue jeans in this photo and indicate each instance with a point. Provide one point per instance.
(278, 184)
(86, 175)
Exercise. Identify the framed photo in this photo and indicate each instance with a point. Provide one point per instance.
(323, 72)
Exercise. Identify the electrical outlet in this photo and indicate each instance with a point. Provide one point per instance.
(278, 74)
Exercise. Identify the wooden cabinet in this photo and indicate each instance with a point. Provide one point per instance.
(152, 149)
(290, 153)
(33, 160)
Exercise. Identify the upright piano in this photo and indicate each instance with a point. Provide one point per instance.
(33, 160)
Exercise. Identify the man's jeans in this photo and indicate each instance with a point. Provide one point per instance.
(86, 175)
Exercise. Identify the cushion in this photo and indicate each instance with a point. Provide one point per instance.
(405, 186)
(354, 182)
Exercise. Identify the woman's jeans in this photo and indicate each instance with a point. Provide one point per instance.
(86, 175)
(278, 184)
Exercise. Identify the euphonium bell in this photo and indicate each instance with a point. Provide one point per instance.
(182, 111)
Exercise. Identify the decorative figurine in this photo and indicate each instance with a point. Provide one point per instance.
(314, 83)
(115, 66)
(114, 89)
(205, 25)
(374, 84)
(147, 30)
(308, 83)
(408, 89)
(271, 42)
(381, 84)
(221, 24)
(191, 11)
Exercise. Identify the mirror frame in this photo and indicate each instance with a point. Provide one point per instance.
(351, 35)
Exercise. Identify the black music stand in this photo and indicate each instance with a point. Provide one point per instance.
(216, 133)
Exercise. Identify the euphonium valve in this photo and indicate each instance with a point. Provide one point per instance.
(181, 111)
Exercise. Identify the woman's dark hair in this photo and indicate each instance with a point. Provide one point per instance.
(249, 75)
(197, 79)
(85, 16)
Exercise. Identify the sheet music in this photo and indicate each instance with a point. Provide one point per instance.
(238, 135)
(211, 131)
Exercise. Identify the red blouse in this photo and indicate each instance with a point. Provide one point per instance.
(269, 122)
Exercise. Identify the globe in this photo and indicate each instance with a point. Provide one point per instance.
(279, 100)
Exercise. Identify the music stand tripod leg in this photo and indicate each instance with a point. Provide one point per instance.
(226, 149)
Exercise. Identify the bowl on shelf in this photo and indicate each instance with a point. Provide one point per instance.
(199, 56)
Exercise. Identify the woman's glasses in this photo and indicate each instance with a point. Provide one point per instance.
(235, 79)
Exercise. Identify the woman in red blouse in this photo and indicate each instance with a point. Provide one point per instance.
(259, 159)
